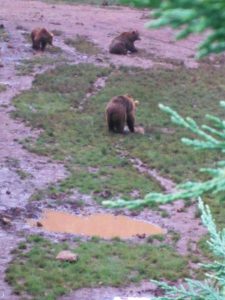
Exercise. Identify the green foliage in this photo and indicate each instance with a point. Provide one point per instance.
(191, 16)
(213, 287)
(35, 271)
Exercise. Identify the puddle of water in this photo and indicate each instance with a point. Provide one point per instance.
(102, 225)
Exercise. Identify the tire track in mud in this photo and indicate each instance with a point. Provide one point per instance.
(181, 218)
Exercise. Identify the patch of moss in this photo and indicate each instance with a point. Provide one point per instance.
(35, 272)
(84, 45)
(28, 66)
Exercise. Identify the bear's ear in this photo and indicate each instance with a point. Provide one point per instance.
(135, 32)
(136, 102)
(128, 96)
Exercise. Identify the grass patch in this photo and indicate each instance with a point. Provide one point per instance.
(34, 271)
(80, 137)
(82, 44)
(191, 93)
(28, 66)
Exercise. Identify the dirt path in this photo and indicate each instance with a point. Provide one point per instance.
(14, 160)
(100, 25)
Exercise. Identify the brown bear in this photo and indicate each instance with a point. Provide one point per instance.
(124, 43)
(40, 38)
(120, 111)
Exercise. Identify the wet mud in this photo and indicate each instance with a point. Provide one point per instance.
(102, 225)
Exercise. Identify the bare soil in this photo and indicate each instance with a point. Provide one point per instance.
(100, 25)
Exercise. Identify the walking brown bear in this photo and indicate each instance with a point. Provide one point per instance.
(121, 111)
(40, 38)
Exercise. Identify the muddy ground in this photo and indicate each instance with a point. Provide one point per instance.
(99, 24)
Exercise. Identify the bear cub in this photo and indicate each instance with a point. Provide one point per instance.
(124, 43)
(40, 38)
(121, 111)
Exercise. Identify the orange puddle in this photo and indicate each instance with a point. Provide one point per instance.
(102, 225)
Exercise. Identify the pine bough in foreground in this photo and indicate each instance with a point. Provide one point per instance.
(211, 138)
(213, 288)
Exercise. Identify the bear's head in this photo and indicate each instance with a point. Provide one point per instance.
(135, 35)
(51, 35)
(134, 102)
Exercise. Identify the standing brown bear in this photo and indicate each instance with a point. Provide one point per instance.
(120, 111)
(124, 43)
(40, 38)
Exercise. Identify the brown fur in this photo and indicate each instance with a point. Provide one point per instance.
(124, 43)
(120, 111)
(40, 38)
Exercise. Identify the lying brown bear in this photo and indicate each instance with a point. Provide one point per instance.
(121, 111)
(40, 38)
(124, 43)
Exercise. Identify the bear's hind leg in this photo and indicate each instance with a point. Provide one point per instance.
(130, 123)
(110, 126)
(120, 127)
(43, 45)
(36, 45)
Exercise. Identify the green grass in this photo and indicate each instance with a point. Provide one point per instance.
(28, 66)
(83, 45)
(80, 137)
(34, 272)
(190, 92)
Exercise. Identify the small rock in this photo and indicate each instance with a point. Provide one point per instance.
(181, 209)
(6, 221)
(1, 65)
(105, 194)
(8, 192)
(67, 255)
(10, 46)
(2, 26)
(99, 59)
(140, 130)
(141, 235)
(39, 224)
